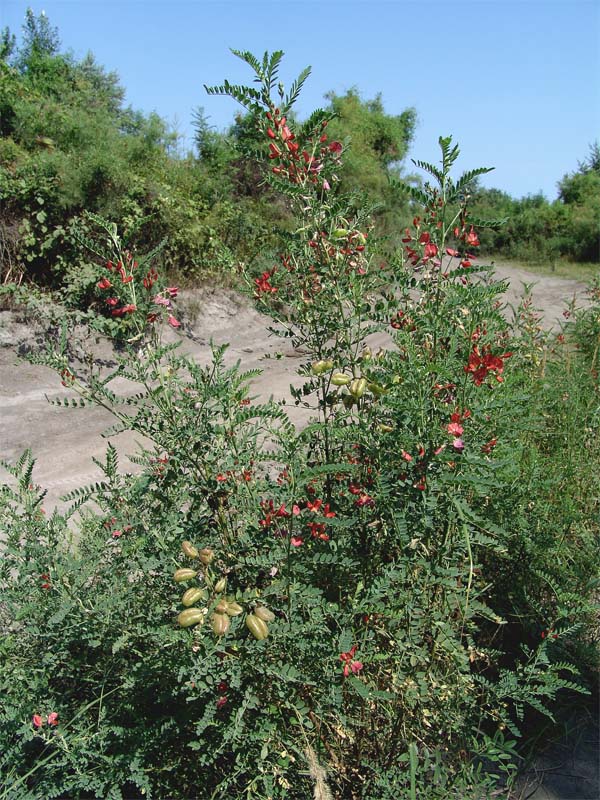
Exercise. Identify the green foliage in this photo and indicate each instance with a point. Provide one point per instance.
(540, 231)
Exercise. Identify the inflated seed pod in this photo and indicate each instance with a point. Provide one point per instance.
(358, 387)
(339, 233)
(221, 607)
(264, 613)
(184, 574)
(233, 609)
(193, 596)
(319, 367)
(220, 585)
(339, 379)
(191, 616)
(220, 624)
(206, 555)
(257, 627)
(189, 550)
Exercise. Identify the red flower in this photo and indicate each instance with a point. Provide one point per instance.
(430, 251)
(53, 718)
(472, 239)
(222, 701)
(37, 721)
(174, 323)
(335, 147)
(489, 446)
(482, 363)
(104, 284)
(452, 253)
(262, 284)
(317, 530)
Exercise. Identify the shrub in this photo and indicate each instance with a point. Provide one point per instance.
(369, 591)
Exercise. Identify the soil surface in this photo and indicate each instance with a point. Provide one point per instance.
(64, 441)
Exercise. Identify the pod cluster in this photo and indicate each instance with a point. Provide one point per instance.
(201, 601)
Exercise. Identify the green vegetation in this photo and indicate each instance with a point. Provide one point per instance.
(541, 232)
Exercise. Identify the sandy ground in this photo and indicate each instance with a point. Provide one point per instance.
(64, 441)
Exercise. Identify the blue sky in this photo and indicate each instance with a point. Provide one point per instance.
(515, 82)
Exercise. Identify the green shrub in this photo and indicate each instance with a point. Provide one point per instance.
(372, 589)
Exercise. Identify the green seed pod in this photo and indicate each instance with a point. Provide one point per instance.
(339, 379)
(233, 609)
(192, 596)
(191, 616)
(221, 607)
(184, 575)
(264, 613)
(220, 624)
(318, 367)
(220, 585)
(377, 389)
(366, 354)
(358, 387)
(257, 627)
(384, 428)
(361, 238)
(189, 550)
(206, 555)
(339, 233)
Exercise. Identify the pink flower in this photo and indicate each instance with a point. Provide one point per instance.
(172, 291)
(37, 721)
(458, 445)
(117, 534)
(326, 186)
(159, 300)
(296, 541)
(222, 701)
(452, 253)
(53, 718)
(455, 429)
(174, 323)
(350, 664)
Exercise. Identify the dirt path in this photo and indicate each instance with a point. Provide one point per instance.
(65, 440)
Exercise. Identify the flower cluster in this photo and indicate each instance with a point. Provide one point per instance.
(297, 165)
(349, 662)
(482, 362)
(317, 529)
(38, 721)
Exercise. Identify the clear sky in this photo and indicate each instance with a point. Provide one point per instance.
(515, 82)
